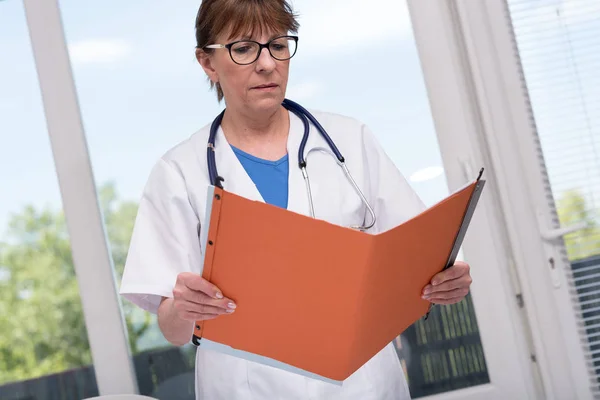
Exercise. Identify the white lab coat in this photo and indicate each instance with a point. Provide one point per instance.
(165, 243)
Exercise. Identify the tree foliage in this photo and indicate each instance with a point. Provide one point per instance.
(42, 329)
(572, 209)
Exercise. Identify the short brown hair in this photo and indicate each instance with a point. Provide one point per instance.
(241, 17)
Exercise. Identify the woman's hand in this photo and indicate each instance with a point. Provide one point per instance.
(196, 299)
(449, 286)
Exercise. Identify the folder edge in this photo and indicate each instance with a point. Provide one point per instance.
(204, 232)
(473, 201)
(225, 349)
(466, 221)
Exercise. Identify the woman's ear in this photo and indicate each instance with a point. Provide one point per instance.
(205, 61)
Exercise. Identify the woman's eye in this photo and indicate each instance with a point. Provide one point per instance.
(242, 49)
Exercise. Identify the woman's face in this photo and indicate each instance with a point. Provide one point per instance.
(256, 87)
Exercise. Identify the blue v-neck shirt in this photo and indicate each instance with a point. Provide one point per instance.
(270, 177)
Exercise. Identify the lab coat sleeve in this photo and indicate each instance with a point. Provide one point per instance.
(393, 199)
(164, 242)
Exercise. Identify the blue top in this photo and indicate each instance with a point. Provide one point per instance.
(270, 177)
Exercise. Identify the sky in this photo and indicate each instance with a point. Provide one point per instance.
(141, 90)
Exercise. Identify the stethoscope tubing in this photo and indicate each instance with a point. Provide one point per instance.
(306, 117)
(302, 113)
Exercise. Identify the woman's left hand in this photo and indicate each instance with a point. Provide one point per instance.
(449, 286)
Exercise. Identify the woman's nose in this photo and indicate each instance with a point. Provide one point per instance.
(265, 62)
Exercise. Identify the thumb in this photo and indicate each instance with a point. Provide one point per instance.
(198, 283)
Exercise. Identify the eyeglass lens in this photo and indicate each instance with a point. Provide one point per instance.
(247, 52)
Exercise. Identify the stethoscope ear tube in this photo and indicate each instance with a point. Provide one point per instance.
(299, 114)
(215, 179)
(306, 116)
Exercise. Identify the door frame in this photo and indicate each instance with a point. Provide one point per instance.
(444, 33)
(502, 136)
(448, 35)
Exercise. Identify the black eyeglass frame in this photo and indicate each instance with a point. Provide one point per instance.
(261, 46)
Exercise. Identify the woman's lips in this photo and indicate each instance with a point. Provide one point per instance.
(266, 88)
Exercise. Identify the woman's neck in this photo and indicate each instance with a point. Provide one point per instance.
(264, 136)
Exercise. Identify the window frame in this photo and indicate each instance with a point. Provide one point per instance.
(508, 137)
(473, 100)
(101, 304)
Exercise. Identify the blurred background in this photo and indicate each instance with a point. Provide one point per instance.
(443, 90)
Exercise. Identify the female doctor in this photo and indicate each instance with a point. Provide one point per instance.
(245, 49)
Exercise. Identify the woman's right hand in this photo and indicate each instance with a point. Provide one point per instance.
(196, 299)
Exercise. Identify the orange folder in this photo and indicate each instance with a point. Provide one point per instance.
(316, 298)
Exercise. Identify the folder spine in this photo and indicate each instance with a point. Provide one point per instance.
(465, 223)
(475, 195)
(362, 330)
(209, 251)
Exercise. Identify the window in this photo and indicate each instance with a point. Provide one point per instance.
(141, 91)
(43, 338)
(558, 43)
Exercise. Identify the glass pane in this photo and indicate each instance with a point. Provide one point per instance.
(564, 87)
(559, 43)
(380, 61)
(140, 94)
(44, 351)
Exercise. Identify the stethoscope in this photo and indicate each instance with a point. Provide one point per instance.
(305, 116)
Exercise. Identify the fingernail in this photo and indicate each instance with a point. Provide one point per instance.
(229, 311)
(219, 295)
(435, 282)
(425, 297)
(232, 306)
(427, 290)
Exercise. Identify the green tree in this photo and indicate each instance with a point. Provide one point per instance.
(42, 329)
(572, 209)
(119, 218)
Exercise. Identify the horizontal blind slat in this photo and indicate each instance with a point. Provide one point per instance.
(549, 18)
(552, 58)
(593, 276)
(527, 4)
(566, 82)
(582, 312)
(558, 34)
(540, 30)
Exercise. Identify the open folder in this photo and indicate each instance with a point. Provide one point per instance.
(315, 298)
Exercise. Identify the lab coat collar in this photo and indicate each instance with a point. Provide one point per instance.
(238, 181)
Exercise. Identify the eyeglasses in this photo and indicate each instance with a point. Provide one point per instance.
(245, 52)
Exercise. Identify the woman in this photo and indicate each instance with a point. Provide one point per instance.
(256, 151)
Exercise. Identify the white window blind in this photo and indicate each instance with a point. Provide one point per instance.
(558, 46)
